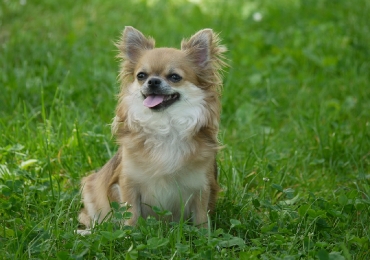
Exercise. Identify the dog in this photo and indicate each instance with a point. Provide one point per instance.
(166, 126)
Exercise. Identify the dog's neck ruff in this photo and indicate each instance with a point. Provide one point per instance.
(182, 120)
(169, 135)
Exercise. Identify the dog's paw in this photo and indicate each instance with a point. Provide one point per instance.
(83, 232)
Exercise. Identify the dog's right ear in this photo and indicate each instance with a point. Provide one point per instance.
(133, 43)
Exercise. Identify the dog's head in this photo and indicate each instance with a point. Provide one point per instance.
(170, 80)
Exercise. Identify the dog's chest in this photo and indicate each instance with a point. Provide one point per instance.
(172, 192)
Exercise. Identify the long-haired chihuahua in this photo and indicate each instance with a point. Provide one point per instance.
(166, 125)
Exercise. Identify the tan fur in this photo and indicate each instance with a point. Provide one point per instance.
(165, 158)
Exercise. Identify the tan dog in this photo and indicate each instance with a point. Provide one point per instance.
(166, 124)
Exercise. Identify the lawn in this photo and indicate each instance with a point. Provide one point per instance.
(295, 124)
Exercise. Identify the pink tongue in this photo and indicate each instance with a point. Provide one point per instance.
(153, 100)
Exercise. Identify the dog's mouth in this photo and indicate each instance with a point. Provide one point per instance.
(156, 102)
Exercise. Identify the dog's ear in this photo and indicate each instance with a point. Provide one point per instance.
(132, 43)
(198, 47)
(205, 51)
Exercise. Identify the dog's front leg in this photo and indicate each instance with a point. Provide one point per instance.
(135, 209)
(131, 196)
(200, 208)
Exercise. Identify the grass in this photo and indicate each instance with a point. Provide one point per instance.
(295, 169)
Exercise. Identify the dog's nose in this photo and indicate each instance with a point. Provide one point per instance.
(154, 82)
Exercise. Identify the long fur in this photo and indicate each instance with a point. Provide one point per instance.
(165, 158)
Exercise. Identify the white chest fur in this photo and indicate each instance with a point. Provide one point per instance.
(166, 178)
(171, 192)
(169, 134)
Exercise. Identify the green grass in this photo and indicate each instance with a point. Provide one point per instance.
(294, 172)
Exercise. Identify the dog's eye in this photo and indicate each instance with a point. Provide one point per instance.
(141, 76)
(175, 77)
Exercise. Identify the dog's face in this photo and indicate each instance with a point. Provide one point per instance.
(165, 77)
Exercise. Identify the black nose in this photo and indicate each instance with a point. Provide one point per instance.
(154, 82)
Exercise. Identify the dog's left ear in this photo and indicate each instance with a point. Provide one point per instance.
(199, 46)
(206, 53)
